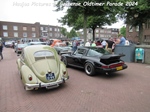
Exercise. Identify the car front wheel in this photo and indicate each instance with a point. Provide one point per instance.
(89, 69)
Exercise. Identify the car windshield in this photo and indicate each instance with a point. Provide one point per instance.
(97, 52)
(43, 54)
(37, 43)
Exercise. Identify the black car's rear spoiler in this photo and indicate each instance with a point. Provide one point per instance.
(112, 56)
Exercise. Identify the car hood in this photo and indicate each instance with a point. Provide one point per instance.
(46, 70)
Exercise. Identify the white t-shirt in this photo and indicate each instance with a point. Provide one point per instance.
(87, 44)
(127, 42)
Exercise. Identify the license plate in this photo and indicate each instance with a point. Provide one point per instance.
(119, 68)
(50, 76)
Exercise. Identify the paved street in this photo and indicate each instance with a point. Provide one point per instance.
(124, 91)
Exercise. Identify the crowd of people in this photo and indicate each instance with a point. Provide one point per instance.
(109, 44)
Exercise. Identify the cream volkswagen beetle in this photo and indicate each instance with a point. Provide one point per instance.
(40, 66)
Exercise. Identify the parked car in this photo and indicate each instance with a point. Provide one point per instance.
(37, 43)
(40, 67)
(61, 48)
(93, 59)
(52, 42)
(18, 48)
(9, 44)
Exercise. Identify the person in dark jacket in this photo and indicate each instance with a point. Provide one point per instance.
(1, 49)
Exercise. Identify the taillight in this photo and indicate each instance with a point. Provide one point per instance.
(104, 66)
(19, 48)
(64, 72)
(116, 65)
(30, 78)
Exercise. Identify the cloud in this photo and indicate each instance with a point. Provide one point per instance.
(31, 11)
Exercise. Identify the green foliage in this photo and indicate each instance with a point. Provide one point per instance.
(63, 31)
(72, 33)
(123, 31)
(137, 15)
(82, 17)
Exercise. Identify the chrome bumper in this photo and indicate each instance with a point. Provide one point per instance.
(46, 85)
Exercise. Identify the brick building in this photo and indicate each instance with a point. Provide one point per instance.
(102, 33)
(132, 33)
(27, 30)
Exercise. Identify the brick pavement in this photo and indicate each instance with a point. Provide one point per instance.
(124, 91)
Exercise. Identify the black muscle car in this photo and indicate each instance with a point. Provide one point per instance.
(93, 59)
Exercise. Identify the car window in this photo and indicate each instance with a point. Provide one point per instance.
(79, 52)
(97, 52)
(43, 54)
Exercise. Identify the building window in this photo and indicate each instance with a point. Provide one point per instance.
(5, 27)
(24, 34)
(44, 34)
(5, 34)
(97, 30)
(137, 28)
(33, 28)
(15, 27)
(45, 28)
(33, 34)
(130, 29)
(41, 28)
(24, 28)
(55, 29)
(15, 34)
(50, 29)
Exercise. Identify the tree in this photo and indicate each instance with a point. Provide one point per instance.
(74, 12)
(137, 13)
(63, 31)
(123, 31)
(72, 33)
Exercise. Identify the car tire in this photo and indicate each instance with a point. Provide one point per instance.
(89, 69)
(65, 61)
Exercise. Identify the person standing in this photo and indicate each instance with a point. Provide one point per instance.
(122, 40)
(104, 43)
(93, 44)
(87, 43)
(1, 49)
(110, 45)
(74, 45)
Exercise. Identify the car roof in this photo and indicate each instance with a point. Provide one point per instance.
(30, 50)
(89, 47)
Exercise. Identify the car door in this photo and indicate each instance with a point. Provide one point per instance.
(76, 58)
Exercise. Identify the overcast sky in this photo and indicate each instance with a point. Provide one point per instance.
(31, 11)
